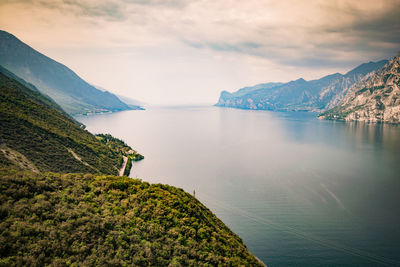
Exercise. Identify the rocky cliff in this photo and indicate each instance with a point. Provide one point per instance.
(374, 99)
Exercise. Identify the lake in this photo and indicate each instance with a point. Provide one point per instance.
(298, 190)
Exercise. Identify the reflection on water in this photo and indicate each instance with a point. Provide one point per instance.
(298, 190)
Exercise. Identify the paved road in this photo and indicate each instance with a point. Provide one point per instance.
(122, 170)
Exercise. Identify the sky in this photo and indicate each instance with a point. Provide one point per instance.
(182, 52)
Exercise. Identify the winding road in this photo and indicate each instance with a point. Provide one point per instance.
(122, 170)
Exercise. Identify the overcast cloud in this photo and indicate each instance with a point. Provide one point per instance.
(184, 52)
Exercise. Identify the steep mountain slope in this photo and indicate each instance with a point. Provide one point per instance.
(72, 93)
(132, 103)
(36, 93)
(374, 99)
(312, 95)
(36, 134)
(88, 220)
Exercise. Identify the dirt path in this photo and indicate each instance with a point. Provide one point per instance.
(17, 158)
(78, 158)
(122, 170)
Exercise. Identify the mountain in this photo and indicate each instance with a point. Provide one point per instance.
(374, 99)
(298, 95)
(228, 99)
(249, 89)
(132, 103)
(36, 134)
(54, 79)
(58, 206)
(36, 92)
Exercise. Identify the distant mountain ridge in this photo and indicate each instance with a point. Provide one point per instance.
(374, 99)
(132, 103)
(299, 95)
(54, 79)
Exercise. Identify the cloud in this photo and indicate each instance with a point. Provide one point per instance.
(307, 33)
(368, 30)
(232, 42)
(166, 3)
(111, 10)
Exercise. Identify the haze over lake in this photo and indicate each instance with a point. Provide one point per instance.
(298, 190)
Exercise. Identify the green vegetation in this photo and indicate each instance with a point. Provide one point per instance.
(35, 93)
(122, 148)
(89, 220)
(137, 157)
(114, 143)
(128, 167)
(379, 105)
(31, 124)
(339, 112)
(359, 92)
(119, 146)
(386, 77)
(336, 113)
(370, 89)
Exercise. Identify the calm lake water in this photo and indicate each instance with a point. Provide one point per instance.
(297, 190)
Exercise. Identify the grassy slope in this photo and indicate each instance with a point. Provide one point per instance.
(36, 94)
(31, 125)
(88, 220)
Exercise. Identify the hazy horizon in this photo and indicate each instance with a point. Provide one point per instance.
(186, 52)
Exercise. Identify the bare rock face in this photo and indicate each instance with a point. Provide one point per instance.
(376, 98)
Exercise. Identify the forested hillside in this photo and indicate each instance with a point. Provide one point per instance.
(37, 134)
(89, 220)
